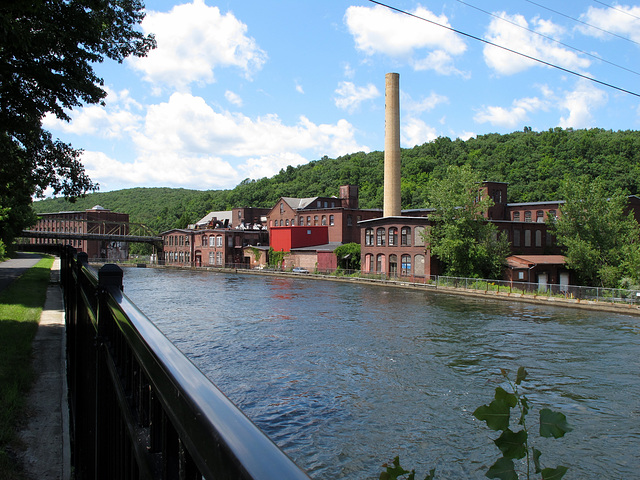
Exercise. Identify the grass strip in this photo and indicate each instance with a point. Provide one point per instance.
(21, 304)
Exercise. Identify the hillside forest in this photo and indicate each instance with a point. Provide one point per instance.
(534, 164)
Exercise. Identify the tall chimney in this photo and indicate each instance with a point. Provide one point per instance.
(392, 146)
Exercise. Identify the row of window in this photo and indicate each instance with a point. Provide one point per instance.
(214, 240)
(179, 257)
(389, 237)
(528, 216)
(176, 240)
(389, 264)
(317, 220)
(517, 239)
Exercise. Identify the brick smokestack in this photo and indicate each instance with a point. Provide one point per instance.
(391, 206)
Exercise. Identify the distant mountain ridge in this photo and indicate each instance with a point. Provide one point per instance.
(532, 163)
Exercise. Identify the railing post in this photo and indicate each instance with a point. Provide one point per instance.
(107, 461)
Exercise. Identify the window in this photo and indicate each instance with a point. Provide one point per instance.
(516, 216)
(219, 240)
(527, 238)
(229, 241)
(527, 216)
(418, 233)
(212, 241)
(552, 214)
(393, 236)
(302, 221)
(368, 237)
(286, 222)
(379, 263)
(281, 207)
(315, 219)
(219, 257)
(516, 238)
(331, 220)
(380, 237)
(308, 220)
(538, 238)
(204, 240)
(405, 236)
(324, 219)
(212, 258)
(405, 265)
(326, 204)
(349, 220)
(540, 216)
(293, 222)
(319, 204)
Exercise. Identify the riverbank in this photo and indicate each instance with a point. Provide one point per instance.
(538, 299)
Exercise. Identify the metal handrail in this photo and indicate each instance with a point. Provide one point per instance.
(149, 411)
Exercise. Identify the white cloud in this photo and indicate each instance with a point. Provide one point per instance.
(233, 98)
(378, 30)
(299, 88)
(193, 40)
(581, 103)
(185, 142)
(349, 97)
(621, 20)
(269, 165)
(424, 105)
(513, 116)
(528, 43)
(416, 132)
(115, 120)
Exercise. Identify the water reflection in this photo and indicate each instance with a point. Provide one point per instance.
(344, 377)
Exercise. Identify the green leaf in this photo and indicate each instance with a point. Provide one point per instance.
(396, 471)
(521, 375)
(536, 459)
(502, 469)
(554, 473)
(525, 409)
(553, 424)
(512, 444)
(497, 413)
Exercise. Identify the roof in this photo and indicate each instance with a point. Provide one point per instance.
(299, 203)
(326, 247)
(528, 261)
(221, 216)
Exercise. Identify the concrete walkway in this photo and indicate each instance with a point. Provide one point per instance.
(45, 434)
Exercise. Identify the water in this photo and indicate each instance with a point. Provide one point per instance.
(344, 377)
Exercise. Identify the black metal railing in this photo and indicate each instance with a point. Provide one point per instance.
(138, 407)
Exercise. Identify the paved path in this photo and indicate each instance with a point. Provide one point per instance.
(46, 433)
(14, 267)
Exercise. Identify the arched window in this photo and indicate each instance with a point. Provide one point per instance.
(331, 220)
(204, 240)
(293, 222)
(324, 219)
(538, 238)
(315, 219)
(540, 216)
(212, 241)
(418, 269)
(286, 222)
(380, 263)
(527, 216)
(302, 221)
(368, 237)
(406, 265)
(393, 236)
(516, 216)
(380, 237)
(405, 236)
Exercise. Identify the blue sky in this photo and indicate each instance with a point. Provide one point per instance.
(241, 89)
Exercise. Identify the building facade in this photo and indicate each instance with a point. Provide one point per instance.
(97, 220)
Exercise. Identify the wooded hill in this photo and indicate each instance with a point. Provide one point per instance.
(532, 163)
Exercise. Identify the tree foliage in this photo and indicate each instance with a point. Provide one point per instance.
(47, 52)
(602, 239)
(348, 256)
(459, 236)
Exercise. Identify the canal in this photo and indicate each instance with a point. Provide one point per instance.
(343, 377)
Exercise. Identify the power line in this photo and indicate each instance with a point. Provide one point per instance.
(618, 9)
(584, 23)
(549, 38)
(459, 32)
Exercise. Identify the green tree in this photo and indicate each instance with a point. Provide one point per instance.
(348, 256)
(47, 52)
(601, 238)
(459, 236)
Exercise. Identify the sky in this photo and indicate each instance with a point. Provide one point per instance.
(242, 89)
